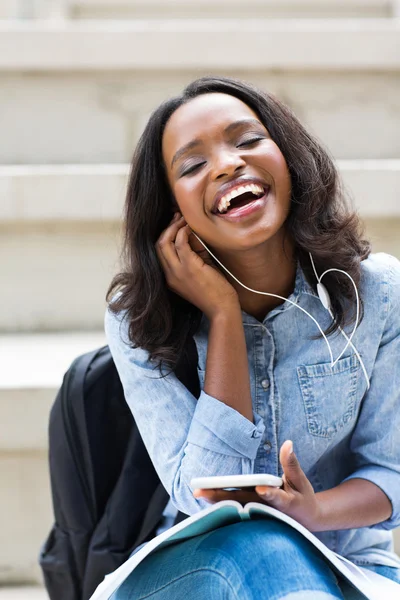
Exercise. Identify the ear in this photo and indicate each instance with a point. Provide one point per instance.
(174, 205)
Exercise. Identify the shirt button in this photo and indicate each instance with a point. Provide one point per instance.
(267, 446)
(265, 384)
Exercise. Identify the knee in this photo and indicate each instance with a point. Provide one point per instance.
(200, 583)
(265, 545)
(265, 552)
(254, 538)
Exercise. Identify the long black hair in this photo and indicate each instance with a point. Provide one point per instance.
(320, 221)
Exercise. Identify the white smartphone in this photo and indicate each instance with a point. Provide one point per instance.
(235, 481)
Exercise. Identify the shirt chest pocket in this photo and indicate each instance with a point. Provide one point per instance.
(329, 395)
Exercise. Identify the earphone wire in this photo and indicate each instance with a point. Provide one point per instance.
(349, 339)
(319, 279)
(349, 342)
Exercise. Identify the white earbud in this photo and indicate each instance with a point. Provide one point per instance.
(324, 297)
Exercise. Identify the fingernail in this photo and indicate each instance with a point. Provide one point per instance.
(291, 448)
(265, 492)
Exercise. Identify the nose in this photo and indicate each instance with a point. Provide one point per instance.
(226, 163)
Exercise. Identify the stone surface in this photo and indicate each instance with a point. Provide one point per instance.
(66, 273)
(35, 9)
(347, 44)
(32, 372)
(69, 193)
(97, 118)
(220, 8)
(25, 504)
(23, 593)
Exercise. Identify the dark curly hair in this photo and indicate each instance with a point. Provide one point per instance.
(321, 221)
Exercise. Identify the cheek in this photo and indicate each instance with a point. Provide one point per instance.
(272, 160)
(189, 195)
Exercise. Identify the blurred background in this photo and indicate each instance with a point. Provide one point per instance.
(78, 79)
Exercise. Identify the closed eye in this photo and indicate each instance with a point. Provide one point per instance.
(250, 141)
(192, 169)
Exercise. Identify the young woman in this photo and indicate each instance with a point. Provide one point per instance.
(234, 166)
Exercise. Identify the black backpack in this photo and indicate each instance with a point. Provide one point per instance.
(107, 497)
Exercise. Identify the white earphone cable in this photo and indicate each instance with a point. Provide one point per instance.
(349, 342)
(268, 294)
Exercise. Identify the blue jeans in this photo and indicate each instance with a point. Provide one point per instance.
(251, 560)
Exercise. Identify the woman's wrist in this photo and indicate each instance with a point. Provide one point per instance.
(226, 312)
(352, 504)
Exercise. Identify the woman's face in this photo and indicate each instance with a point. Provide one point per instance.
(220, 157)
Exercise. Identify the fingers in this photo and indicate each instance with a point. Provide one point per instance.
(165, 246)
(182, 245)
(173, 245)
(294, 474)
(275, 497)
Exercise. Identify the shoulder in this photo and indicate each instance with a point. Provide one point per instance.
(116, 329)
(123, 349)
(115, 324)
(380, 280)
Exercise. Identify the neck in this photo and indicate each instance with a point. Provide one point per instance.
(270, 267)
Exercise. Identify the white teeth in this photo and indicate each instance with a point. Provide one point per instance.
(226, 200)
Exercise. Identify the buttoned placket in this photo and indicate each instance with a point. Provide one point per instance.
(267, 399)
(264, 351)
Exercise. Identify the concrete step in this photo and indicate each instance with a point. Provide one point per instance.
(33, 367)
(141, 44)
(81, 93)
(23, 593)
(79, 9)
(222, 8)
(33, 370)
(61, 225)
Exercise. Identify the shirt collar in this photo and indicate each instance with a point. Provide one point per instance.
(302, 286)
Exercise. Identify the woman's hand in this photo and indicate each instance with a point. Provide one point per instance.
(296, 498)
(188, 275)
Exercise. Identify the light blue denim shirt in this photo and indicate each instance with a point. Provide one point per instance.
(339, 429)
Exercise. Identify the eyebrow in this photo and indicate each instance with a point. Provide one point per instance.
(197, 141)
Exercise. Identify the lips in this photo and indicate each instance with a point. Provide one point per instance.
(230, 186)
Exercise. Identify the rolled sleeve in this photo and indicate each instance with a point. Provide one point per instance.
(375, 440)
(218, 427)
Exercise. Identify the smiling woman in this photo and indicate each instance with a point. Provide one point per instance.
(307, 196)
(231, 166)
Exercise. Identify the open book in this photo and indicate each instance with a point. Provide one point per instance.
(373, 586)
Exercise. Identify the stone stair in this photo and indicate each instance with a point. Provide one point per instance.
(134, 9)
(23, 593)
(33, 366)
(79, 79)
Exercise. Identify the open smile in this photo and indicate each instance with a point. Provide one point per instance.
(245, 203)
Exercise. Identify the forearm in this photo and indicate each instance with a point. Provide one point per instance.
(352, 504)
(227, 373)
